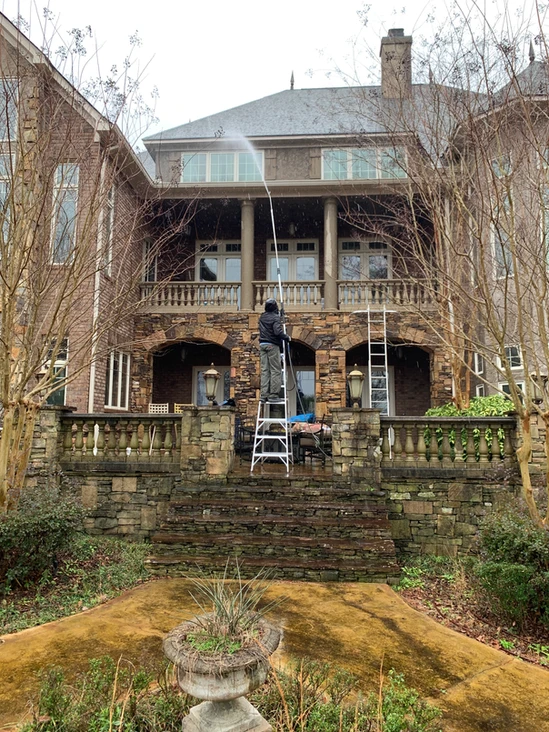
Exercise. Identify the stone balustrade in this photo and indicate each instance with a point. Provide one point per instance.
(405, 294)
(471, 442)
(121, 438)
(173, 297)
(304, 296)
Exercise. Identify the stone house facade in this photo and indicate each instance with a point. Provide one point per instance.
(190, 227)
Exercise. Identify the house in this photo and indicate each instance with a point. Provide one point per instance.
(326, 173)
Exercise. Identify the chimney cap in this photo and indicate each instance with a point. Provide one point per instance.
(396, 32)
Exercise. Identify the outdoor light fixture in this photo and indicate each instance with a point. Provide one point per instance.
(291, 229)
(211, 377)
(355, 380)
(540, 383)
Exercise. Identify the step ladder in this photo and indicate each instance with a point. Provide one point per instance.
(378, 367)
(273, 436)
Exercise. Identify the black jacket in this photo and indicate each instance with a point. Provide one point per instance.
(271, 330)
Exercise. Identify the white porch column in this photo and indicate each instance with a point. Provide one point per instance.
(330, 253)
(247, 255)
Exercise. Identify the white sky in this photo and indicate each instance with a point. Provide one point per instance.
(206, 56)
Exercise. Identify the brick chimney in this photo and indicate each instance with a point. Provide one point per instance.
(396, 64)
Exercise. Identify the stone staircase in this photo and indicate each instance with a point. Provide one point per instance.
(307, 529)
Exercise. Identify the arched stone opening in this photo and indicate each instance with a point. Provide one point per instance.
(409, 383)
(178, 369)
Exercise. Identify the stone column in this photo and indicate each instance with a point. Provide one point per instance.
(247, 255)
(330, 254)
(355, 445)
(207, 443)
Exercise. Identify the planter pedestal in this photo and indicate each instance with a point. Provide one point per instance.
(237, 715)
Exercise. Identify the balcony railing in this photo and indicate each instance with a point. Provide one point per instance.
(447, 441)
(405, 294)
(121, 438)
(177, 296)
(307, 295)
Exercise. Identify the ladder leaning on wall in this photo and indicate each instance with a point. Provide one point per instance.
(273, 436)
(378, 366)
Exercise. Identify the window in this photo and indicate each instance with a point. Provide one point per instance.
(223, 385)
(297, 259)
(501, 166)
(479, 390)
(503, 259)
(221, 167)
(108, 231)
(61, 354)
(513, 357)
(150, 261)
(383, 389)
(364, 260)
(6, 171)
(219, 262)
(506, 389)
(117, 381)
(478, 365)
(65, 200)
(8, 109)
(302, 399)
(363, 163)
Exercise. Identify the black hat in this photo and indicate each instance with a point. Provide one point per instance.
(270, 305)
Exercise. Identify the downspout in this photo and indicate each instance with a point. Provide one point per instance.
(96, 290)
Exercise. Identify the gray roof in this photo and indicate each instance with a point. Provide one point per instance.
(534, 80)
(300, 112)
(147, 162)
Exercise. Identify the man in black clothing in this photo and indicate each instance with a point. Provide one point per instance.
(271, 335)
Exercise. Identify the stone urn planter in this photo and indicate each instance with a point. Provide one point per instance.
(222, 679)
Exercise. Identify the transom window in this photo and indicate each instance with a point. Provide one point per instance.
(364, 260)
(219, 262)
(221, 167)
(298, 260)
(363, 163)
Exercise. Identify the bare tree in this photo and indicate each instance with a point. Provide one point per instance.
(471, 213)
(69, 267)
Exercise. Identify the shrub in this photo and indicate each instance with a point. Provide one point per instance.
(43, 524)
(515, 573)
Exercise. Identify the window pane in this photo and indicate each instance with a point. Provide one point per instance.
(305, 397)
(350, 267)
(284, 268)
(305, 268)
(208, 269)
(232, 269)
(65, 224)
(194, 168)
(392, 164)
(58, 396)
(378, 267)
(250, 166)
(222, 167)
(364, 164)
(8, 109)
(335, 164)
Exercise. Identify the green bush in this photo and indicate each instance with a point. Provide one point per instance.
(30, 537)
(308, 696)
(515, 573)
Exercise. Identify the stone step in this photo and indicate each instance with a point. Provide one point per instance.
(262, 522)
(256, 506)
(297, 568)
(326, 493)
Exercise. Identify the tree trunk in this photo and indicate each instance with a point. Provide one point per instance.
(524, 453)
(15, 449)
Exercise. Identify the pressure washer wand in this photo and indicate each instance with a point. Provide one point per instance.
(278, 275)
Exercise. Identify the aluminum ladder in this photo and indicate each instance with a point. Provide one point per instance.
(378, 367)
(273, 436)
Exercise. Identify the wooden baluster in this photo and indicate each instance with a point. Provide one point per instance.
(385, 444)
(409, 444)
(446, 448)
(421, 446)
(483, 446)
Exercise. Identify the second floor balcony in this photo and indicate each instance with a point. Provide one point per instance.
(308, 296)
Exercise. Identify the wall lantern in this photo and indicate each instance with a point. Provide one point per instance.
(540, 384)
(211, 377)
(355, 380)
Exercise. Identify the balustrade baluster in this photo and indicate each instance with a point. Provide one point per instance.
(458, 447)
(385, 444)
(483, 446)
(145, 445)
(68, 439)
(168, 442)
(100, 441)
(157, 439)
(446, 448)
(409, 444)
(398, 444)
(494, 448)
(134, 439)
(508, 451)
(177, 430)
(421, 446)
(470, 445)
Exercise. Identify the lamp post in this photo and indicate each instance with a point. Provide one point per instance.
(211, 377)
(355, 379)
(540, 384)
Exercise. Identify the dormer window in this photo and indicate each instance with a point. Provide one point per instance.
(221, 167)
